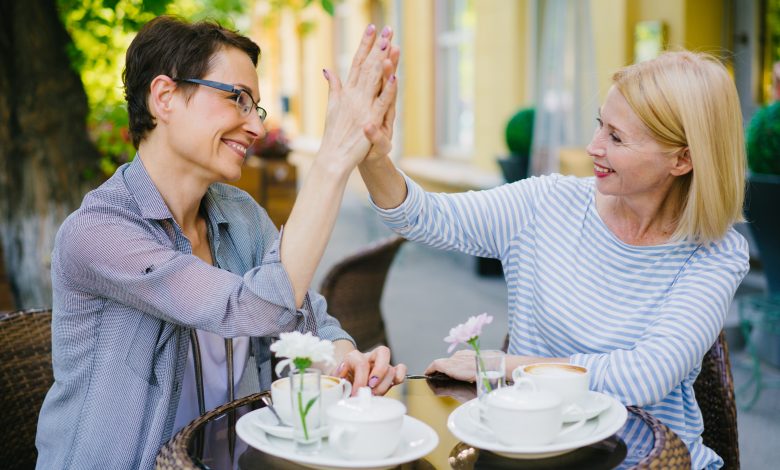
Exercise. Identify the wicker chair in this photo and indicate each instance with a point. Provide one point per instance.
(174, 454)
(353, 288)
(714, 390)
(25, 377)
(669, 451)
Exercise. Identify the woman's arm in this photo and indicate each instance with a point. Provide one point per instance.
(683, 329)
(363, 99)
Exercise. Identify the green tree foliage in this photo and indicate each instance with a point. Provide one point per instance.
(763, 140)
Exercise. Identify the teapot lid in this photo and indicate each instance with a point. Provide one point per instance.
(512, 398)
(366, 407)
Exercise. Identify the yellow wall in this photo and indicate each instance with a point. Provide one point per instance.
(609, 39)
(417, 57)
(317, 53)
(690, 24)
(501, 66)
(502, 61)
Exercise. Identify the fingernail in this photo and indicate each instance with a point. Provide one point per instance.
(341, 368)
(386, 31)
(370, 30)
(392, 77)
(325, 72)
(383, 44)
(373, 381)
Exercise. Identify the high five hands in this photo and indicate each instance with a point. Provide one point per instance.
(361, 111)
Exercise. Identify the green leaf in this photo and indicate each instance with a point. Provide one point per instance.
(308, 406)
(327, 5)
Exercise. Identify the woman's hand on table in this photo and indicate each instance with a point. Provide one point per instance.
(459, 366)
(463, 366)
(371, 369)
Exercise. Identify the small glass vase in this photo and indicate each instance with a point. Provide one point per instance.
(491, 371)
(305, 396)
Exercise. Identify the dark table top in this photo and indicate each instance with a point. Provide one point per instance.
(215, 445)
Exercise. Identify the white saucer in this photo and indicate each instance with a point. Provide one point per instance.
(592, 405)
(418, 440)
(265, 420)
(461, 425)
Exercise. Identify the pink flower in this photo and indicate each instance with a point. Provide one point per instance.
(466, 332)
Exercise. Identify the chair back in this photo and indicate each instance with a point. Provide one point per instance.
(353, 288)
(669, 452)
(25, 377)
(714, 389)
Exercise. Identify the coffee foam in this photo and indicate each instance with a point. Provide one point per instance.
(325, 382)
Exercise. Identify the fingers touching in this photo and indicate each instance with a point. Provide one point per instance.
(372, 369)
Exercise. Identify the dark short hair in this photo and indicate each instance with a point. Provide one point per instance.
(171, 46)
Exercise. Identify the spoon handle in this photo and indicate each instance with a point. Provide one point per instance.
(268, 404)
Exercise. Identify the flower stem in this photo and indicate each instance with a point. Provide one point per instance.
(474, 342)
(301, 411)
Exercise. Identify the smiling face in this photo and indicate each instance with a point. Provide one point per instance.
(208, 136)
(627, 160)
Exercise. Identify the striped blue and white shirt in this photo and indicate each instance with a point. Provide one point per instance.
(127, 292)
(640, 318)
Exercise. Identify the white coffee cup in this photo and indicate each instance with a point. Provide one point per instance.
(366, 427)
(521, 415)
(568, 381)
(332, 390)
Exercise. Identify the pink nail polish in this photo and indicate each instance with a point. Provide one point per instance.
(373, 381)
(386, 31)
(392, 77)
(341, 368)
(370, 30)
(383, 44)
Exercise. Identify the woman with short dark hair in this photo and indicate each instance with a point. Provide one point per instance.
(164, 255)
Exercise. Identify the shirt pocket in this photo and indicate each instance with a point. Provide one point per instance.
(147, 345)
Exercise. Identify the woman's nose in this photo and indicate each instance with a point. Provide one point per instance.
(596, 146)
(255, 126)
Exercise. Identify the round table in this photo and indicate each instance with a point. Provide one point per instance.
(210, 441)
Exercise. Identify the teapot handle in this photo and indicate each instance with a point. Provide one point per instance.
(340, 437)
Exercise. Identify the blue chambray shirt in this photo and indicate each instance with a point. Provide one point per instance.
(127, 291)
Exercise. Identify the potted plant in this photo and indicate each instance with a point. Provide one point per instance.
(763, 154)
(519, 134)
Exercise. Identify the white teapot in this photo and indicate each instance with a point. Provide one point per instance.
(365, 427)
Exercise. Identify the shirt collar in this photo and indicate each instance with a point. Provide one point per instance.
(151, 203)
(145, 193)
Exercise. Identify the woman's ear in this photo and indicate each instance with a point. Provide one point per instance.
(161, 97)
(682, 164)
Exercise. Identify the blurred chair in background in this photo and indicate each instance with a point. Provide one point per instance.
(353, 288)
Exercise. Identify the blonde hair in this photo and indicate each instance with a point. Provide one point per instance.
(688, 101)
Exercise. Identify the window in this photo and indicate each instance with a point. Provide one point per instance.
(454, 85)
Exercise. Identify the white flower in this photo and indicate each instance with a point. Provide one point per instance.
(296, 347)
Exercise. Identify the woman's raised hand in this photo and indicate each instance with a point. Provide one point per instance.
(360, 107)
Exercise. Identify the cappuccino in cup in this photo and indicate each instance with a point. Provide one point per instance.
(570, 382)
(332, 390)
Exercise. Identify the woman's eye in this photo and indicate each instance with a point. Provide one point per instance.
(615, 138)
(599, 122)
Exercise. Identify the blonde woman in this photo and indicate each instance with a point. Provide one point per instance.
(630, 272)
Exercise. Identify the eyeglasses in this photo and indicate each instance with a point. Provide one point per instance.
(244, 101)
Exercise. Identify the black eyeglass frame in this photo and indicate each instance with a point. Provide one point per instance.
(261, 112)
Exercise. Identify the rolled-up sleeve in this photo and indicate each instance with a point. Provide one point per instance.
(125, 260)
